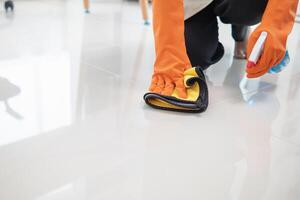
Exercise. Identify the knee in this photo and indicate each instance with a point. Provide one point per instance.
(203, 59)
(246, 20)
(248, 12)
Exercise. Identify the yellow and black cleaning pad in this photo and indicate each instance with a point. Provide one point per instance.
(197, 95)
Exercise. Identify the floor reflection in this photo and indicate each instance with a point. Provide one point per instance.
(85, 133)
(7, 91)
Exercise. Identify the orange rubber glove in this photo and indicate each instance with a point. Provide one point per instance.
(171, 56)
(278, 21)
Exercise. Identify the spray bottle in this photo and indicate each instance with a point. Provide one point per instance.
(258, 50)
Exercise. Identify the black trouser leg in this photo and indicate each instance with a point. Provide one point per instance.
(239, 32)
(240, 12)
(202, 38)
(201, 30)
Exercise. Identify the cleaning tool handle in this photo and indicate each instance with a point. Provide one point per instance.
(257, 49)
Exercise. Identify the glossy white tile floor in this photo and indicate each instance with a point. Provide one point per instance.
(73, 125)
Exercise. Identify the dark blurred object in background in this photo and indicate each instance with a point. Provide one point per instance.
(9, 5)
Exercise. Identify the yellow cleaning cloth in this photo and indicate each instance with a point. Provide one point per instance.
(197, 95)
